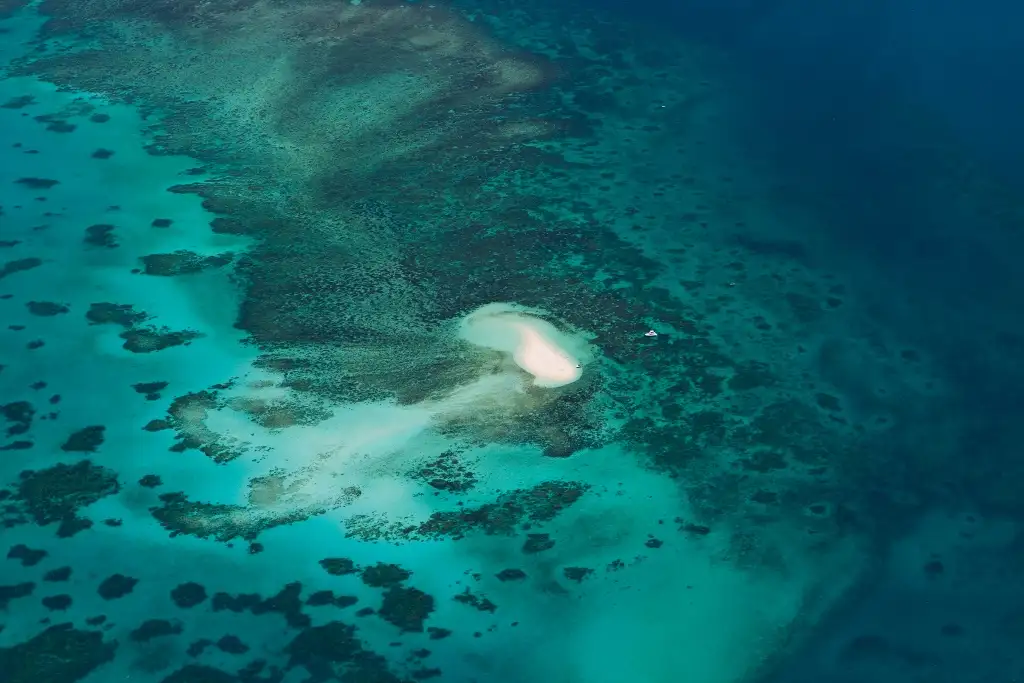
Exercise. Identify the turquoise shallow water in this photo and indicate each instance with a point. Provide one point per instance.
(245, 442)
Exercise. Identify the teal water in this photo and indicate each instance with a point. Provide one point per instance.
(245, 441)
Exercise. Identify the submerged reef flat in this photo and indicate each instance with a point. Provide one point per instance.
(341, 312)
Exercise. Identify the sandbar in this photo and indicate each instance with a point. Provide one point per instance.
(534, 344)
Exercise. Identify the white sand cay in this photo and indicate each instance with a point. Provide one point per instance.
(536, 346)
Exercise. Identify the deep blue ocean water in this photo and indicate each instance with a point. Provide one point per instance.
(247, 436)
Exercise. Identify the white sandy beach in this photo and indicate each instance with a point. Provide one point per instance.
(534, 344)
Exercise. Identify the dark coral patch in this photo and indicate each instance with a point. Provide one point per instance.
(234, 603)
(576, 574)
(156, 425)
(19, 265)
(116, 586)
(85, 440)
(224, 225)
(204, 520)
(115, 314)
(286, 602)
(232, 645)
(57, 603)
(333, 652)
(155, 628)
(55, 123)
(383, 575)
(60, 654)
(57, 493)
(338, 566)
(446, 473)
(150, 481)
(19, 414)
(58, 574)
(541, 503)
(323, 648)
(45, 309)
(511, 575)
(27, 556)
(326, 597)
(15, 591)
(479, 602)
(406, 608)
(188, 595)
(149, 340)
(69, 526)
(100, 235)
(320, 598)
(149, 387)
(37, 183)
(537, 543)
(18, 102)
(182, 263)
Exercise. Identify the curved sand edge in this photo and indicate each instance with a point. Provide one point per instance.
(536, 346)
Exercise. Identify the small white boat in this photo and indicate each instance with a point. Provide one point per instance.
(650, 333)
